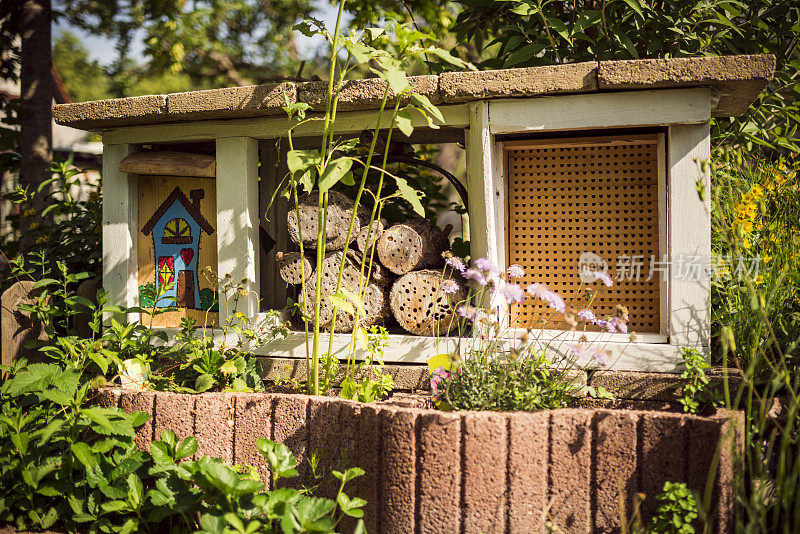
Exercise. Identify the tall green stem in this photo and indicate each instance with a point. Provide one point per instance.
(322, 206)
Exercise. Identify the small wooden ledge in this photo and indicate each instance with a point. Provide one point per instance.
(169, 164)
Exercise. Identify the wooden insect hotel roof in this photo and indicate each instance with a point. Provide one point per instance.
(736, 82)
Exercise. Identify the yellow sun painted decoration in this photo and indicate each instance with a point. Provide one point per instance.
(177, 228)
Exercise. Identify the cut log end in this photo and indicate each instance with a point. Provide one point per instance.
(421, 307)
(340, 208)
(412, 245)
(293, 268)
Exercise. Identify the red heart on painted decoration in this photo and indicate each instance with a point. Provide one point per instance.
(186, 255)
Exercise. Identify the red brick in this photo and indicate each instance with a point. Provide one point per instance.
(439, 472)
(174, 411)
(614, 442)
(323, 442)
(723, 435)
(570, 469)
(528, 460)
(140, 401)
(213, 426)
(289, 427)
(361, 447)
(107, 397)
(253, 420)
(484, 444)
(663, 452)
(398, 470)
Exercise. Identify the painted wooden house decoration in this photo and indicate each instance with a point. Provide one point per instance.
(176, 227)
(589, 164)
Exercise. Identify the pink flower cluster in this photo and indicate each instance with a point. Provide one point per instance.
(601, 356)
(541, 292)
(612, 325)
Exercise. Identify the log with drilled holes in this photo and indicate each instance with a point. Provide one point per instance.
(379, 274)
(375, 299)
(293, 268)
(374, 235)
(340, 207)
(412, 245)
(421, 307)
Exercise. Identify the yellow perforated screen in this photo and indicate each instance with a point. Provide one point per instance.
(567, 197)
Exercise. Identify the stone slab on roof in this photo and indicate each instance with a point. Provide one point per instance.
(736, 82)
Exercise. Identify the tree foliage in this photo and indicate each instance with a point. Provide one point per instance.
(521, 33)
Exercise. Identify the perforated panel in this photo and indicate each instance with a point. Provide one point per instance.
(600, 195)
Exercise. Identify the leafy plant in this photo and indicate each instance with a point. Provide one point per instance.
(322, 169)
(521, 33)
(676, 510)
(372, 387)
(695, 389)
(67, 464)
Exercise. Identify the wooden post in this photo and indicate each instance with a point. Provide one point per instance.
(689, 236)
(120, 227)
(18, 327)
(238, 217)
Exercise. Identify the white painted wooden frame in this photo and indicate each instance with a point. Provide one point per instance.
(684, 219)
(238, 217)
(120, 228)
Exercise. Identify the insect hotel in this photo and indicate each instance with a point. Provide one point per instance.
(593, 164)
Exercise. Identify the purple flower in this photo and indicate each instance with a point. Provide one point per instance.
(513, 293)
(449, 286)
(615, 324)
(601, 275)
(486, 265)
(439, 380)
(541, 292)
(456, 263)
(588, 316)
(476, 275)
(516, 271)
(602, 357)
(467, 312)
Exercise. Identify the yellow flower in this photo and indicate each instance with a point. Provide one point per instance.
(759, 280)
(29, 212)
(746, 244)
(767, 258)
(34, 225)
(42, 239)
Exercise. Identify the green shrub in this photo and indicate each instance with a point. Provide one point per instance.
(66, 464)
(530, 384)
(676, 510)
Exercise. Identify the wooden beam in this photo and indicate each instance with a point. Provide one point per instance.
(237, 219)
(169, 163)
(601, 110)
(351, 122)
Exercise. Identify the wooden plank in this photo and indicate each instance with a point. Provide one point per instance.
(18, 327)
(601, 110)
(153, 192)
(238, 218)
(351, 122)
(120, 223)
(689, 234)
(169, 163)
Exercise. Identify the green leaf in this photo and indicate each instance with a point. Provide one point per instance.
(634, 4)
(403, 120)
(115, 506)
(160, 453)
(340, 301)
(423, 102)
(451, 59)
(395, 77)
(348, 475)
(361, 335)
(135, 491)
(204, 382)
(228, 368)
(21, 441)
(187, 448)
(410, 195)
(46, 282)
(303, 160)
(334, 171)
(560, 28)
(280, 459)
(348, 179)
(524, 54)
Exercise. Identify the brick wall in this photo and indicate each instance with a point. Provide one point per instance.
(430, 471)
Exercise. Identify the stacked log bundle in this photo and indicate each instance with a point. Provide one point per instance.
(411, 250)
